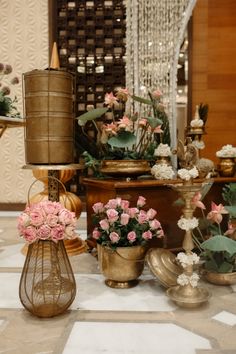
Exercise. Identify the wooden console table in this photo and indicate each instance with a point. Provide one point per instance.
(159, 196)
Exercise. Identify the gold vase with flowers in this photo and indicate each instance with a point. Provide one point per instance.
(122, 234)
(127, 130)
(217, 248)
(226, 155)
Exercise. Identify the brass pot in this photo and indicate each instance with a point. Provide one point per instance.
(125, 168)
(121, 267)
(220, 278)
(226, 167)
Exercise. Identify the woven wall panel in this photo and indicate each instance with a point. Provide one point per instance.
(24, 45)
(91, 41)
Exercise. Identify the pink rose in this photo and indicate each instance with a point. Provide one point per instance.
(112, 215)
(151, 213)
(147, 235)
(141, 201)
(57, 233)
(142, 217)
(37, 217)
(131, 236)
(50, 207)
(124, 204)
(52, 220)
(67, 217)
(44, 232)
(114, 237)
(160, 233)
(30, 234)
(112, 204)
(70, 231)
(133, 212)
(154, 224)
(124, 218)
(96, 234)
(23, 221)
(98, 208)
(104, 224)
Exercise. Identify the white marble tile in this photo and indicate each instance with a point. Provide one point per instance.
(226, 318)
(81, 233)
(11, 256)
(9, 290)
(7, 214)
(132, 338)
(233, 288)
(93, 294)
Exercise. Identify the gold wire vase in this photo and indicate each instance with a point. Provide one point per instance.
(47, 285)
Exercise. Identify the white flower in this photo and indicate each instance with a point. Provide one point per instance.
(184, 279)
(187, 259)
(188, 174)
(199, 144)
(196, 123)
(187, 224)
(162, 150)
(162, 171)
(226, 151)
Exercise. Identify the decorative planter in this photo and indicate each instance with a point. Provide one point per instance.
(121, 267)
(226, 167)
(219, 278)
(125, 168)
(47, 284)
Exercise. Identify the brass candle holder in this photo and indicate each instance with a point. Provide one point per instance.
(188, 295)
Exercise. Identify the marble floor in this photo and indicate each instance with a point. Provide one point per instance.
(140, 320)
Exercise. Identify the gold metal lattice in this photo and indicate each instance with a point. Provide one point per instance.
(47, 284)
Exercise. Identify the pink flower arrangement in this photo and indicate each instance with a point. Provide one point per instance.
(129, 126)
(119, 225)
(46, 220)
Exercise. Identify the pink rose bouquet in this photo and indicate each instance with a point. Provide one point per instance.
(119, 225)
(46, 220)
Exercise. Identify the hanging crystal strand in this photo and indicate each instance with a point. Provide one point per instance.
(154, 34)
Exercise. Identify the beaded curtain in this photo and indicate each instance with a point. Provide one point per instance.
(154, 33)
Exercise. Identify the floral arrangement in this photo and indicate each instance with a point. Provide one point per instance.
(216, 247)
(162, 150)
(119, 225)
(46, 220)
(188, 174)
(187, 259)
(124, 133)
(227, 151)
(184, 279)
(162, 171)
(7, 105)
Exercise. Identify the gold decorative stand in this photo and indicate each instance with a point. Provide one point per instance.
(188, 296)
(47, 285)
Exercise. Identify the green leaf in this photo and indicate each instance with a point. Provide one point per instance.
(225, 267)
(91, 115)
(231, 210)
(122, 140)
(142, 100)
(220, 243)
(154, 122)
